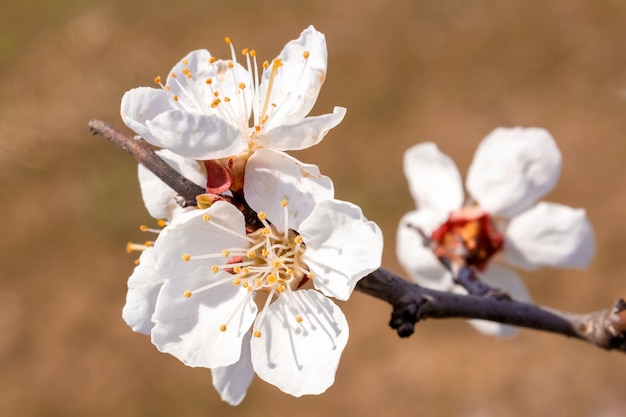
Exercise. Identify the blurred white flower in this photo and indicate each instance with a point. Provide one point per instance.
(197, 291)
(511, 170)
(212, 109)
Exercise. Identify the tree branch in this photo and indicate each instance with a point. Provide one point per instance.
(411, 302)
(144, 154)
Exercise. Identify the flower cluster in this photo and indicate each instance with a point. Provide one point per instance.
(511, 170)
(240, 284)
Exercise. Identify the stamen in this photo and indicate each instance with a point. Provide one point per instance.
(223, 327)
(187, 294)
(305, 54)
(186, 257)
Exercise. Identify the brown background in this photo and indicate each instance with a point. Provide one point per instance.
(448, 71)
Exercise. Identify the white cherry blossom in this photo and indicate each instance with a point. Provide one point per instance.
(511, 170)
(211, 108)
(242, 302)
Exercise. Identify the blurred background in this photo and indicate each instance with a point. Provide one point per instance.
(447, 71)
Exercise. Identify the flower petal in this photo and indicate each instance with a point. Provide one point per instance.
(341, 247)
(304, 133)
(189, 81)
(506, 280)
(143, 288)
(141, 105)
(159, 198)
(512, 169)
(195, 135)
(550, 235)
(418, 260)
(191, 233)
(434, 180)
(298, 80)
(273, 176)
(233, 381)
(300, 358)
(189, 327)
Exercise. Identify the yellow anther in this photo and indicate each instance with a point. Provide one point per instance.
(245, 284)
(236, 281)
(299, 318)
(157, 80)
(253, 53)
(227, 99)
(280, 288)
(251, 254)
(283, 203)
(216, 93)
(187, 294)
(277, 63)
(143, 227)
(289, 271)
(249, 289)
(305, 54)
(246, 270)
(186, 257)
(227, 40)
(276, 264)
(175, 98)
(185, 62)
(310, 275)
(271, 279)
(266, 231)
(298, 239)
(209, 81)
(230, 64)
(187, 72)
(244, 51)
(137, 262)
(173, 75)
(130, 246)
(167, 88)
(237, 270)
(162, 222)
(257, 333)
(242, 86)
(265, 252)
(257, 129)
(215, 103)
(225, 252)
(215, 269)
(261, 215)
(149, 244)
(222, 327)
(212, 60)
(257, 282)
(265, 64)
(206, 217)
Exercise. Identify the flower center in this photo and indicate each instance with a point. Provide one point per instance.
(272, 263)
(228, 90)
(468, 237)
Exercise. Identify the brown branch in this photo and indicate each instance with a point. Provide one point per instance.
(411, 302)
(144, 154)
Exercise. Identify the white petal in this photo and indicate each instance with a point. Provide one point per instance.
(300, 358)
(506, 280)
(512, 169)
(550, 235)
(233, 381)
(341, 247)
(418, 260)
(189, 328)
(141, 105)
(196, 96)
(273, 176)
(191, 234)
(195, 135)
(305, 133)
(434, 180)
(143, 288)
(159, 198)
(298, 82)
